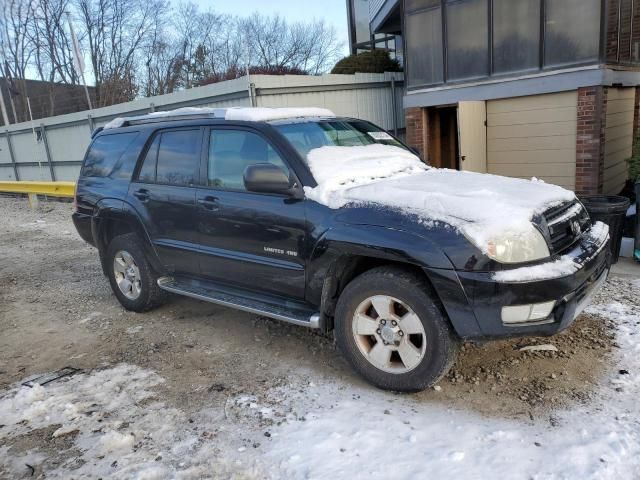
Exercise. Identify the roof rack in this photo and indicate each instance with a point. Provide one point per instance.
(170, 116)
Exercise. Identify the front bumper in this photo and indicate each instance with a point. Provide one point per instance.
(487, 293)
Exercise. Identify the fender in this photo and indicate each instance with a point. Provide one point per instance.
(333, 250)
(113, 209)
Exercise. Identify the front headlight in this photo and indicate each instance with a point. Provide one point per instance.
(516, 247)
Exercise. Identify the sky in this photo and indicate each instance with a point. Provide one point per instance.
(333, 11)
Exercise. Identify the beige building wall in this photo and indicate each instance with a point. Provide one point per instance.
(618, 138)
(534, 136)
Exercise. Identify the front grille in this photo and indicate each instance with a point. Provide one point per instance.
(566, 223)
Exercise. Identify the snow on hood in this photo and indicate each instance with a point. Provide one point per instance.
(249, 114)
(481, 206)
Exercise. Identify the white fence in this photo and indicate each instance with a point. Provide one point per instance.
(52, 148)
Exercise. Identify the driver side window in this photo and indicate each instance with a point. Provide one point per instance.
(231, 152)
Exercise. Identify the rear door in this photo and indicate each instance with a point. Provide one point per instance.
(251, 240)
(164, 194)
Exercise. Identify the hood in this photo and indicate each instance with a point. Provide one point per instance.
(480, 206)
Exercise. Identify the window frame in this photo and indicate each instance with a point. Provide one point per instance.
(96, 139)
(204, 164)
(143, 156)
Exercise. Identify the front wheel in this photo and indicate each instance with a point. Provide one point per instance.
(392, 331)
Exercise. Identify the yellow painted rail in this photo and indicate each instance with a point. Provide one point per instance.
(54, 189)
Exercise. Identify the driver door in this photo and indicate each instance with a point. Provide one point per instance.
(250, 240)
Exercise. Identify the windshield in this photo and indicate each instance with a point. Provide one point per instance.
(305, 136)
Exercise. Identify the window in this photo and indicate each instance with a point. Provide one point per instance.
(467, 39)
(572, 31)
(516, 35)
(424, 45)
(147, 172)
(105, 152)
(178, 157)
(305, 136)
(232, 151)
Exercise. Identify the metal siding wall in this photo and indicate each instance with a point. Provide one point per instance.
(534, 136)
(618, 138)
(68, 143)
(366, 96)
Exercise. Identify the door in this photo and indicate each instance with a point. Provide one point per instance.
(250, 240)
(472, 132)
(164, 194)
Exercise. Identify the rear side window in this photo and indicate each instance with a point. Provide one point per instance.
(105, 153)
(173, 158)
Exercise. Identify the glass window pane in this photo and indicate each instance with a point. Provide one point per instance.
(148, 170)
(424, 47)
(467, 39)
(232, 151)
(105, 152)
(178, 157)
(572, 31)
(361, 20)
(516, 35)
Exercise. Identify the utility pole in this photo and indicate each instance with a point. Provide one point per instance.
(78, 59)
(5, 117)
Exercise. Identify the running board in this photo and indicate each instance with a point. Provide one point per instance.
(242, 300)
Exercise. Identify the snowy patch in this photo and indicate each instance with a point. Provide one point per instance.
(364, 434)
(481, 206)
(263, 114)
(119, 428)
(255, 114)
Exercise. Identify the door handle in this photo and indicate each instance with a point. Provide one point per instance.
(142, 194)
(209, 202)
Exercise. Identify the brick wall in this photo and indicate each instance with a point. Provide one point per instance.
(592, 111)
(416, 129)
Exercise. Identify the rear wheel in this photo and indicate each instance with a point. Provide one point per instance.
(132, 278)
(391, 329)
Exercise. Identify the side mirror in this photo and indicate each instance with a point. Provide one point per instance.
(266, 178)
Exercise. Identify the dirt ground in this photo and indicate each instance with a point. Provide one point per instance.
(57, 310)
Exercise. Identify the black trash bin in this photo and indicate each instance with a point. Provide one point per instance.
(609, 209)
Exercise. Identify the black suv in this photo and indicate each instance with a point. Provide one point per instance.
(219, 207)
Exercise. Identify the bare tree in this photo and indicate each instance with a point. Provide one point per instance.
(16, 49)
(115, 31)
(52, 57)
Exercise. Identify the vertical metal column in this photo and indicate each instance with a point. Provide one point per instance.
(43, 132)
(394, 107)
(91, 125)
(13, 157)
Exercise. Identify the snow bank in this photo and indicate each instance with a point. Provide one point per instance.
(255, 114)
(561, 267)
(481, 206)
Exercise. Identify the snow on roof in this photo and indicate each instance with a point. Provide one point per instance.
(249, 114)
(481, 206)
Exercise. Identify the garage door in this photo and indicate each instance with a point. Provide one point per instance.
(618, 138)
(534, 136)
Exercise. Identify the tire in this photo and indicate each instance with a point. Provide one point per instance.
(144, 293)
(422, 356)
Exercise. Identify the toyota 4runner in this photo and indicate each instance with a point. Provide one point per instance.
(332, 223)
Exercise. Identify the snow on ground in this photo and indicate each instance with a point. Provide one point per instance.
(338, 430)
(482, 206)
(117, 423)
(361, 433)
